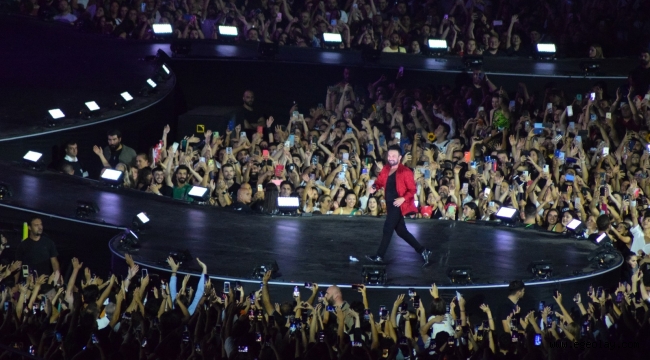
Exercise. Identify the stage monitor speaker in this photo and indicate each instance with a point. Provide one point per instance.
(197, 121)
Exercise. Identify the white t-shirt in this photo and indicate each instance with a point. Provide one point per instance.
(638, 239)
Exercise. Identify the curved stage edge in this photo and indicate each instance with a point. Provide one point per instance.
(206, 236)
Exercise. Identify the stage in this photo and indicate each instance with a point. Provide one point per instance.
(306, 249)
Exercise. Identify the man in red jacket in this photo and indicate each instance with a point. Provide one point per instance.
(399, 191)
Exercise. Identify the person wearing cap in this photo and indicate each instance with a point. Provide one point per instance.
(399, 190)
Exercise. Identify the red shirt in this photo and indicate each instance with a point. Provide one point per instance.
(405, 185)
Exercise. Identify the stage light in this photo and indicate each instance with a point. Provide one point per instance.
(163, 30)
(332, 40)
(374, 274)
(259, 271)
(126, 96)
(437, 47)
(129, 240)
(91, 109)
(152, 83)
(92, 106)
(165, 69)
(541, 269)
(460, 274)
(288, 205)
(199, 194)
(507, 215)
(546, 51)
(603, 257)
(32, 156)
(576, 227)
(85, 209)
(139, 222)
(227, 33)
(150, 88)
(473, 62)
(5, 191)
(112, 177)
(123, 100)
(55, 118)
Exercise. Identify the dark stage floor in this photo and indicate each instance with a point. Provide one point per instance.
(51, 65)
(314, 249)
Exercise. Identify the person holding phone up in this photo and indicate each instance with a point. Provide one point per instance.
(399, 187)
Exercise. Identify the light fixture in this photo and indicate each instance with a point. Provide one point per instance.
(541, 269)
(473, 62)
(162, 30)
(123, 100)
(576, 227)
(460, 274)
(546, 51)
(129, 241)
(32, 156)
(150, 88)
(91, 109)
(55, 118)
(603, 257)
(199, 194)
(261, 270)
(437, 47)
(5, 191)
(112, 177)
(139, 222)
(373, 274)
(227, 33)
(507, 215)
(288, 205)
(85, 209)
(332, 40)
(162, 74)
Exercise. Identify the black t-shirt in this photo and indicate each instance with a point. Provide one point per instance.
(37, 254)
(641, 78)
(498, 53)
(251, 115)
(522, 52)
(232, 191)
(505, 308)
(391, 189)
(167, 190)
(115, 157)
(238, 206)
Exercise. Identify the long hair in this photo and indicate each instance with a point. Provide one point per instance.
(270, 202)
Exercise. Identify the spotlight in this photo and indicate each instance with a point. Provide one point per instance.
(374, 274)
(576, 228)
(473, 62)
(140, 221)
(163, 73)
(507, 215)
(150, 88)
(91, 109)
(85, 209)
(227, 33)
(460, 274)
(437, 47)
(332, 40)
(546, 51)
(33, 159)
(267, 51)
(590, 67)
(603, 258)
(123, 100)
(163, 30)
(129, 241)
(199, 194)
(541, 269)
(288, 205)
(112, 177)
(56, 117)
(259, 271)
(5, 191)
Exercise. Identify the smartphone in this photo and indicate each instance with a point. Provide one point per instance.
(296, 291)
(599, 292)
(605, 151)
(260, 187)
(278, 170)
(231, 125)
(229, 150)
(278, 18)
(398, 135)
(569, 177)
(497, 23)
(292, 140)
(511, 105)
(265, 154)
(346, 156)
(25, 271)
(542, 305)
(592, 96)
(226, 287)
(538, 340)
(545, 168)
(144, 273)
(175, 147)
(416, 302)
(366, 314)
(486, 191)
(465, 188)
(549, 106)
(333, 22)
(569, 112)
(467, 156)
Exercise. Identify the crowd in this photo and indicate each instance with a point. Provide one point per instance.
(579, 28)
(67, 311)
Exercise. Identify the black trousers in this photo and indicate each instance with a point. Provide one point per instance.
(395, 222)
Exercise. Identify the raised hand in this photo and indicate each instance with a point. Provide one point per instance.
(434, 291)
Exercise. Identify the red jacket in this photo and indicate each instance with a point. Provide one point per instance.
(405, 185)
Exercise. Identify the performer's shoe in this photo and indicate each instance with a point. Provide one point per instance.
(375, 258)
(425, 256)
